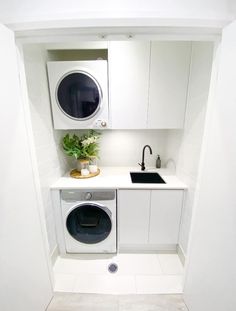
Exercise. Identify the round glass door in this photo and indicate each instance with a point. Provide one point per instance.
(78, 95)
(89, 223)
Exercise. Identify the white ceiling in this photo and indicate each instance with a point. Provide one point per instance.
(15, 11)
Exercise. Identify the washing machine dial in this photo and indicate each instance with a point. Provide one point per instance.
(88, 196)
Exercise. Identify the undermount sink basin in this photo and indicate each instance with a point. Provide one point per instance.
(146, 178)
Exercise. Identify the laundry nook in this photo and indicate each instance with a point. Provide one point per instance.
(118, 156)
(124, 150)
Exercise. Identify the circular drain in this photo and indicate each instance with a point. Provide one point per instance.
(112, 268)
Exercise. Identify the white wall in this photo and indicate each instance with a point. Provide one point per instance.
(51, 163)
(28, 10)
(124, 147)
(186, 145)
(211, 272)
(24, 273)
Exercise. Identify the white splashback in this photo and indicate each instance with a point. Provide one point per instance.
(124, 147)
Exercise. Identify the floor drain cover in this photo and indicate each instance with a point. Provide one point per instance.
(113, 267)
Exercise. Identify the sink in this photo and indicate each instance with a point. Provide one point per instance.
(146, 178)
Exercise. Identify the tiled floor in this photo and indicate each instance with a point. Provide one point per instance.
(94, 302)
(137, 274)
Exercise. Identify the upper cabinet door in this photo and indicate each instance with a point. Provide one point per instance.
(24, 276)
(169, 73)
(129, 79)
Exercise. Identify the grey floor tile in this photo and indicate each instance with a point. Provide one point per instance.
(151, 303)
(83, 302)
(95, 302)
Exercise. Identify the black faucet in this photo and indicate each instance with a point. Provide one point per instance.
(143, 164)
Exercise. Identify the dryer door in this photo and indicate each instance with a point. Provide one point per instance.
(78, 95)
(89, 223)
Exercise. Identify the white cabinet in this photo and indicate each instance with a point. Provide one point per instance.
(166, 206)
(169, 73)
(149, 219)
(133, 216)
(128, 83)
(148, 91)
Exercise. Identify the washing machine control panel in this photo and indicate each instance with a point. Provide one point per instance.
(88, 196)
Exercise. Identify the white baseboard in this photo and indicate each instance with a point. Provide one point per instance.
(147, 248)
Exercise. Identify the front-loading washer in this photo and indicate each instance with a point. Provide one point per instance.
(79, 94)
(89, 221)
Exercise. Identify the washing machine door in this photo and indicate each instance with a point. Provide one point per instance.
(89, 223)
(79, 95)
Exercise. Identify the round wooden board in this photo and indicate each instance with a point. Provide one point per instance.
(76, 174)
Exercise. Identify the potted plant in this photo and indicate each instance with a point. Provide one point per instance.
(83, 148)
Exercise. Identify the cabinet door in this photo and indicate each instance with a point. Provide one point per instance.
(165, 216)
(169, 72)
(128, 84)
(133, 216)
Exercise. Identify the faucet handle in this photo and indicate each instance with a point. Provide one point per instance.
(142, 166)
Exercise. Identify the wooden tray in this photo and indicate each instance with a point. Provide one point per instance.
(76, 174)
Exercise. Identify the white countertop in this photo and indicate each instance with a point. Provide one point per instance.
(118, 178)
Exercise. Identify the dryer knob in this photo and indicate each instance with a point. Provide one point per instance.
(103, 123)
(88, 196)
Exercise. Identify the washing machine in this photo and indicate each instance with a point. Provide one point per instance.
(79, 94)
(89, 221)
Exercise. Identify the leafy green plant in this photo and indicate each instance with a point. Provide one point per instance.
(83, 147)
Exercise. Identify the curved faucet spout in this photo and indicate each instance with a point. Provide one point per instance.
(143, 155)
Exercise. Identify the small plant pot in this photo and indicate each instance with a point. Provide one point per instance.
(83, 166)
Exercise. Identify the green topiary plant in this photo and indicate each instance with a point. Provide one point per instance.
(83, 147)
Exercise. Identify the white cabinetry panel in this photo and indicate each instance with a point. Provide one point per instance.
(166, 206)
(133, 216)
(169, 72)
(149, 219)
(128, 83)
